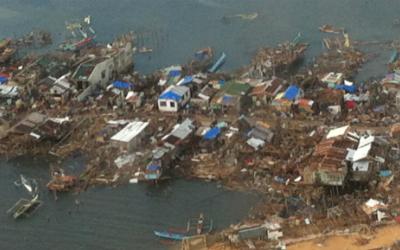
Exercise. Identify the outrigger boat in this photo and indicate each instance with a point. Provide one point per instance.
(82, 35)
(330, 29)
(25, 207)
(218, 63)
(194, 227)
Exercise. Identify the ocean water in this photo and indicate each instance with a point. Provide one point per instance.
(177, 28)
(122, 217)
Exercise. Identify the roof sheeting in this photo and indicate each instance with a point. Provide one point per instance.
(212, 133)
(337, 132)
(174, 73)
(3, 79)
(361, 153)
(184, 129)
(291, 93)
(349, 89)
(130, 131)
(122, 85)
(174, 92)
(186, 80)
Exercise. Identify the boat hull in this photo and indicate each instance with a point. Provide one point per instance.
(169, 235)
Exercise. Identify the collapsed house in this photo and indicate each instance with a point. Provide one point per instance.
(97, 72)
(327, 166)
(173, 144)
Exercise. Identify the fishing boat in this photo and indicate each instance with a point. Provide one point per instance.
(25, 207)
(195, 226)
(6, 54)
(61, 182)
(393, 57)
(145, 50)
(218, 63)
(169, 235)
(82, 35)
(330, 29)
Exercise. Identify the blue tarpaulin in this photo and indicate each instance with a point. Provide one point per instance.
(228, 100)
(174, 73)
(291, 93)
(212, 133)
(153, 167)
(385, 173)
(171, 95)
(187, 80)
(121, 85)
(3, 79)
(349, 89)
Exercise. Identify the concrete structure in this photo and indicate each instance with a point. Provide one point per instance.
(98, 72)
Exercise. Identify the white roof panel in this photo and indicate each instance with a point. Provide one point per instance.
(337, 132)
(361, 153)
(130, 131)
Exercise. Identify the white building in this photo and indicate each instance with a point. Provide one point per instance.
(130, 136)
(173, 98)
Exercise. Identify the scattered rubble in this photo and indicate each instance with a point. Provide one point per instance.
(321, 148)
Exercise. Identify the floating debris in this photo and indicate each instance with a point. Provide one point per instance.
(25, 208)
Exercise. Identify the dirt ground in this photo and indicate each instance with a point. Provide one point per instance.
(384, 237)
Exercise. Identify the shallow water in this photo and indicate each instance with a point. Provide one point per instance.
(109, 218)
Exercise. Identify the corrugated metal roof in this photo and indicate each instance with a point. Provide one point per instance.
(183, 130)
(130, 131)
(174, 92)
(337, 132)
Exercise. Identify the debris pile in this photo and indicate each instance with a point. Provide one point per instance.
(320, 147)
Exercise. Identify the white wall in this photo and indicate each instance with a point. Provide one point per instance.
(168, 107)
(96, 77)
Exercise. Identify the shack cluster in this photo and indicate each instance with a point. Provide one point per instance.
(320, 148)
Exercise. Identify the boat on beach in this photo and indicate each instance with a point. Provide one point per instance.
(195, 226)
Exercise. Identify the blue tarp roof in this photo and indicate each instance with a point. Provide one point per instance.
(187, 79)
(3, 79)
(122, 85)
(385, 173)
(153, 167)
(349, 89)
(171, 95)
(291, 93)
(212, 133)
(174, 73)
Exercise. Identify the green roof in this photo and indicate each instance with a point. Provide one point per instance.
(235, 88)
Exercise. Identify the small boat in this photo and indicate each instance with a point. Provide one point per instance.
(330, 29)
(246, 17)
(26, 184)
(62, 183)
(393, 57)
(218, 63)
(194, 227)
(7, 54)
(25, 207)
(82, 34)
(203, 54)
(145, 50)
(169, 235)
